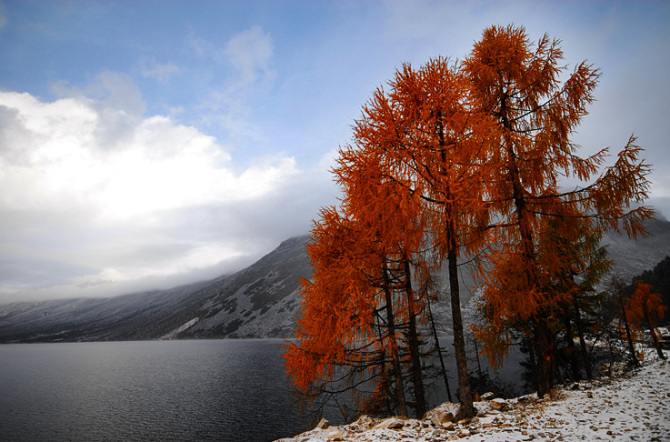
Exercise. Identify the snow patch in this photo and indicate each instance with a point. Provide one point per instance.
(180, 329)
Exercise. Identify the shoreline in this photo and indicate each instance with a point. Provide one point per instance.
(629, 407)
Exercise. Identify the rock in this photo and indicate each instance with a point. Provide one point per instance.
(499, 404)
(323, 424)
(527, 399)
(488, 396)
(441, 417)
(335, 435)
(392, 423)
(363, 423)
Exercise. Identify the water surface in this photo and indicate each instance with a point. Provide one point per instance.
(224, 390)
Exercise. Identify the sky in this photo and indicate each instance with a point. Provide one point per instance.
(146, 144)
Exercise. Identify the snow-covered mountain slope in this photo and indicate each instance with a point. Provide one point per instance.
(630, 257)
(259, 301)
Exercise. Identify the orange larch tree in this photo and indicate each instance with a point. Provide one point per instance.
(412, 183)
(360, 311)
(348, 334)
(647, 307)
(535, 113)
(379, 202)
(433, 145)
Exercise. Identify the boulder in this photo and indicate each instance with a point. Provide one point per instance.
(392, 423)
(487, 396)
(499, 404)
(441, 417)
(323, 424)
(364, 423)
(335, 435)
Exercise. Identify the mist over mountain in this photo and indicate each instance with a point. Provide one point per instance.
(261, 301)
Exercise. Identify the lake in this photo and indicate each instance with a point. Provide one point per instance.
(223, 390)
(200, 390)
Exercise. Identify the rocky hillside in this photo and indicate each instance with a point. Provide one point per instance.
(259, 301)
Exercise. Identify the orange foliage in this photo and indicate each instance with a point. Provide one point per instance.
(519, 85)
(452, 159)
(645, 306)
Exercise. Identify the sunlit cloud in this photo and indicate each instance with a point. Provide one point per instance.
(58, 160)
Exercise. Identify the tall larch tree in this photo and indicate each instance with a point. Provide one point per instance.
(434, 145)
(363, 254)
(378, 200)
(519, 85)
(444, 147)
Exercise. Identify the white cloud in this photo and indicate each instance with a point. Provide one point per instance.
(250, 52)
(160, 166)
(74, 196)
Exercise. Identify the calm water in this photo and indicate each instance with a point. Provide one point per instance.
(224, 390)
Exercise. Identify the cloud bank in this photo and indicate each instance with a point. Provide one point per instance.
(96, 198)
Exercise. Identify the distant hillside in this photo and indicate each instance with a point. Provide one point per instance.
(259, 301)
(634, 257)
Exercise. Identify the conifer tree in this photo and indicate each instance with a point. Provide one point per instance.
(645, 306)
(519, 85)
(433, 141)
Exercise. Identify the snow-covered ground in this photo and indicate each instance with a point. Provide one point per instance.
(635, 406)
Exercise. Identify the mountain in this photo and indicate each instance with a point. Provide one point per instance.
(258, 302)
(634, 257)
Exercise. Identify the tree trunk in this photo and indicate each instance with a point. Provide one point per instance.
(382, 364)
(572, 351)
(467, 407)
(652, 332)
(439, 350)
(545, 358)
(393, 344)
(523, 222)
(582, 342)
(629, 335)
(414, 344)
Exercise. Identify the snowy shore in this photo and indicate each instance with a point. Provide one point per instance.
(634, 406)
